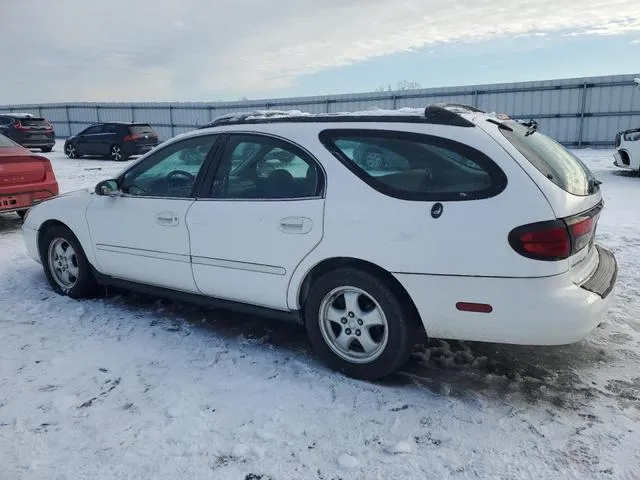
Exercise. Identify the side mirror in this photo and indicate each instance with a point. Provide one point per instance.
(107, 188)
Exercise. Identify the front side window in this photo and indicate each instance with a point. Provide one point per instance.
(170, 172)
(260, 167)
(5, 120)
(414, 166)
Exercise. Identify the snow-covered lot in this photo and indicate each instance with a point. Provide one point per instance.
(130, 387)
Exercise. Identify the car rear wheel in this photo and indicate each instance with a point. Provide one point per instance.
(357, 324)
(46, 149)
(71, 151)
(65, 264)
(22, 213)
(116, 153)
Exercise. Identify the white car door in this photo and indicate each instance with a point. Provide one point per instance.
(140, 233)
(262, 214)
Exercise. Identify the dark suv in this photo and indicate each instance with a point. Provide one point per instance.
(28, 130)
(116, 140)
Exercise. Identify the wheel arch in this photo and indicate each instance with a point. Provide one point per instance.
(329, 264)
(54, 222)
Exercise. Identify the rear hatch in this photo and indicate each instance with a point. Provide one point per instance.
(569, 186)
(142, 135)
(18, 169)
(35, 128)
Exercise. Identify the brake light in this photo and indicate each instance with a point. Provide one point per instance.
(131, 138)
(542, 241)
(555, 239)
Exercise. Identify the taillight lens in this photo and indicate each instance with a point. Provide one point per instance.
(555, 239)
(581, 231)
(542, 241)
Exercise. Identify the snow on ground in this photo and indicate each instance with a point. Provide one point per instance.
(133, 387)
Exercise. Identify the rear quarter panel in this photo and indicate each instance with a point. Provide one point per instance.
(469, 239)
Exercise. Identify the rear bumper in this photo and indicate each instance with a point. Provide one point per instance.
(132, 149)
(525, 311)
(24, 201)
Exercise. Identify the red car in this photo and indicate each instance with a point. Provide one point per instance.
(25, 178)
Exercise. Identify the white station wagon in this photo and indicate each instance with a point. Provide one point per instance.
(365, 227)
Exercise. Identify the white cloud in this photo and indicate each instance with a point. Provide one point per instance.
(191, 49)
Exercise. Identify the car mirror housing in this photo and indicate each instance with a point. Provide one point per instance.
(107, 188)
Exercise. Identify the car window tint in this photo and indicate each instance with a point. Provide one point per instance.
(414, 166)
(260, 167)
(553, 160)
(170, 172)
(6, 121)
(93, 130)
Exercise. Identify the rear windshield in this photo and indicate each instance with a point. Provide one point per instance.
(553, 160)
(413, 166)
(33, 122)
(142, 130)
(5, 142)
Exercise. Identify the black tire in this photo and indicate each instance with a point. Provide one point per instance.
(46, 149)
(85, 284)
(22, 213)
(402, 327)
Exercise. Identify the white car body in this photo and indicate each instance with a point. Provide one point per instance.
(456, 265)
(627, 153)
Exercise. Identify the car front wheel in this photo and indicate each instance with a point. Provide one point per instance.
(65, 264)
(357, 324)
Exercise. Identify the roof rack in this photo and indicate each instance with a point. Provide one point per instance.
(17, 114)
(438, 113)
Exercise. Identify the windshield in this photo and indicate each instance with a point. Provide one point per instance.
(553, 160)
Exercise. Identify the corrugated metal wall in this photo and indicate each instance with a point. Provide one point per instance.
(578, 112)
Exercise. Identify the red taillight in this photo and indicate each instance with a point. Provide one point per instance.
(131, 138)
(556, 239)
(542, 241)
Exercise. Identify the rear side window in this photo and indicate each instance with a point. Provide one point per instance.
(141, 130)
(553, 160)
(6, 142)
(414, 166)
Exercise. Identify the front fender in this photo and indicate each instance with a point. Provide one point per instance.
(67, 209)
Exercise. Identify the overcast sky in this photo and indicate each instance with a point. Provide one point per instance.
(203, 50)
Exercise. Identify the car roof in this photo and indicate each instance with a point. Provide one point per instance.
(451, 114)
(19, 115)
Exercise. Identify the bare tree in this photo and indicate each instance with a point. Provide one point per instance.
(400, 86)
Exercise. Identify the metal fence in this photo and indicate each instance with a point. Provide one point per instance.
(578, 112)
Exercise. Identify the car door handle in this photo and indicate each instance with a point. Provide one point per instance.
(295, 225)
(167, 219)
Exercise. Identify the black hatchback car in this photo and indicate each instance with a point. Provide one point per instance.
(116, 140)
(28, 130)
